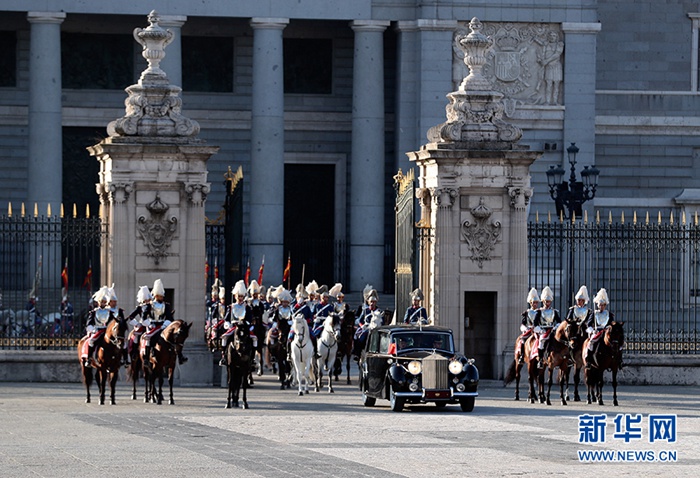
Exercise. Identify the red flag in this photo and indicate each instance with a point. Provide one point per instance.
(64, 276)
(287, 269)
(247, 274)
(216, 268)
(260, 271)
(206, 268)
(88, 278)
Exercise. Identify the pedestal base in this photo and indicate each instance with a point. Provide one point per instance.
(197, 372)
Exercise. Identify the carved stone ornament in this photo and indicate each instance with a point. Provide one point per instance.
(519, 197)
(157, 232)
(475, 112)
(197, 193)
(482, 235)
(119, 192)
(444, 198)
(153, 107)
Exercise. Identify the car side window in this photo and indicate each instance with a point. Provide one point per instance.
(384, 342)
(374, 342)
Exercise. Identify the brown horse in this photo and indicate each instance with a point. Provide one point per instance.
(163, 359)
(607, 355)
(516, 367)
(108, 352)
(239, 357)
(558, 355)
(135, 369)
(345, 345)
(575, 335)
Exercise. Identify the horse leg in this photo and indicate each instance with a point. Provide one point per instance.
(549, 384)
(577, 379)
(102, 384)
(245, 396)
(588, 380)
(331, 359)
(171, 376)
(563, 380)
(347, 367)
(614, 385)
(518, 370)
(599, 389)
(87, 378)
(531, 377)
(114, 376)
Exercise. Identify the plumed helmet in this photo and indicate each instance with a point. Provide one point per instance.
(239, 289)
(285, 295)
(323, 291)
(582, 294)
(222, 292)
(216, 287)
(263, 291)
(301, 292)
(601, 297)
(158, 288)
(102, 294)
(547, 294)
(417, 294)
(532, 296)
(254, 287)
(336, 290)
(365, 292)
(311, 287)
(143, 294)
(112, 294)
(372, 296)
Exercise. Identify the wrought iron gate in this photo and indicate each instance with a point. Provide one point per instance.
(405, 281)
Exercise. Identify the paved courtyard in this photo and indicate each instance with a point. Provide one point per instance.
(47, 430)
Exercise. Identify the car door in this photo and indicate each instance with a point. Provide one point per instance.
(377, 361)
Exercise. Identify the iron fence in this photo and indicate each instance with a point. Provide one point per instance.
(47, 266)
(650, 270)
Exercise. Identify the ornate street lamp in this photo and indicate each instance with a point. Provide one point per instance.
(570, 196)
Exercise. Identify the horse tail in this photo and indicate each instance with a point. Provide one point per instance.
(510, 374)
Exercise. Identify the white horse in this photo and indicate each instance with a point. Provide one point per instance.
(327, 349)
(302, 352)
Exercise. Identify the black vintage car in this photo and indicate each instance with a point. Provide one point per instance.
(412, 364)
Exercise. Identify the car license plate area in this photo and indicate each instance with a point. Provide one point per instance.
(437, 394)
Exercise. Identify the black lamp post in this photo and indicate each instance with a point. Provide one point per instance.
(569, 196)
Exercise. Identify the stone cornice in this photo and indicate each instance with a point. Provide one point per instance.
(46, 17)
(572, 27)
(369, 25)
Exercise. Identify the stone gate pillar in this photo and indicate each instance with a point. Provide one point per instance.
(474, 185)
(153, 186)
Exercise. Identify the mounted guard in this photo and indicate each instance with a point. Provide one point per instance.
(596, 324)
(239, 314)
(96, 324)
(528, 322)
(546, 320)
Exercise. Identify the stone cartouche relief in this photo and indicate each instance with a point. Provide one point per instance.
(157, 231)
(481, 235)
(525, 64)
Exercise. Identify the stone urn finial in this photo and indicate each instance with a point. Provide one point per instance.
(476, 47)
(153, 39)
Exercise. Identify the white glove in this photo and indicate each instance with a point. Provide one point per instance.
(255, 341)
(147, 322)
(590, 330)
(227, 325)
(166, 323)
(90, 329)
(538, 329)
(523, 329)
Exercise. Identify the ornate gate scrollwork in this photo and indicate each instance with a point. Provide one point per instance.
(482, 235)
(157, 232)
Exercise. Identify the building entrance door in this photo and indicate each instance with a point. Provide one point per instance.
(480, 330)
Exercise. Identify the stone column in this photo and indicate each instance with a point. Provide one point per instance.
(445, 303)
(172, 63)
(367, 162)
(579, 94)
(45, 162)
(517, 267)
(267, 147)
(120, 252)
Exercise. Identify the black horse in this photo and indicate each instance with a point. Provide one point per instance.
(345, 345)
(278, 347)
(239, 355)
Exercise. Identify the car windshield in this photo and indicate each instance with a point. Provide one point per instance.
(424, 340)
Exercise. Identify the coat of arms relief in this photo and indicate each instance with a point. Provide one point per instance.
(525, 63)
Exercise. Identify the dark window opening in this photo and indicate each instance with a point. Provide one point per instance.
(8, 59)
(97, 61)
(80, 170)
(308, 66)
(207, 64)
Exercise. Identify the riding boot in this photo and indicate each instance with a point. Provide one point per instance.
(181, 358)
(521, 359)
(86, 361)
(125, 357)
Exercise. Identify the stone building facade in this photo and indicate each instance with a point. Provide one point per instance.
(339, 92)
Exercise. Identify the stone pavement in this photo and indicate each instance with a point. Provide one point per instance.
(47, 430)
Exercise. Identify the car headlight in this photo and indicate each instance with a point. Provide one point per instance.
(415, 367)
(455, 367)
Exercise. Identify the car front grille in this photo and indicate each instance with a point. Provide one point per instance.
(435, 372)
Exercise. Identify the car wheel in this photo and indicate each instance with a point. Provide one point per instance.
(440, 404)
(397, 403)
(467, 404)
(368, 401)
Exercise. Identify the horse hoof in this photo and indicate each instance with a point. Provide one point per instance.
(331, 391)
(301, 394)
(133, 397)
(615, 404)
(87, 400)
(282, 387)
(228, 405)
(113, 402)
(577, 399)
(349, 382)
(563, 402)
(306, 391)
(517, 399)
(171, 402)
(245, 406)
(588, 402)
(260, 374)
(548, 402)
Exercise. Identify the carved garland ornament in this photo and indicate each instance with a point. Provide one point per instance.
(157, 232)
(482, 235)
